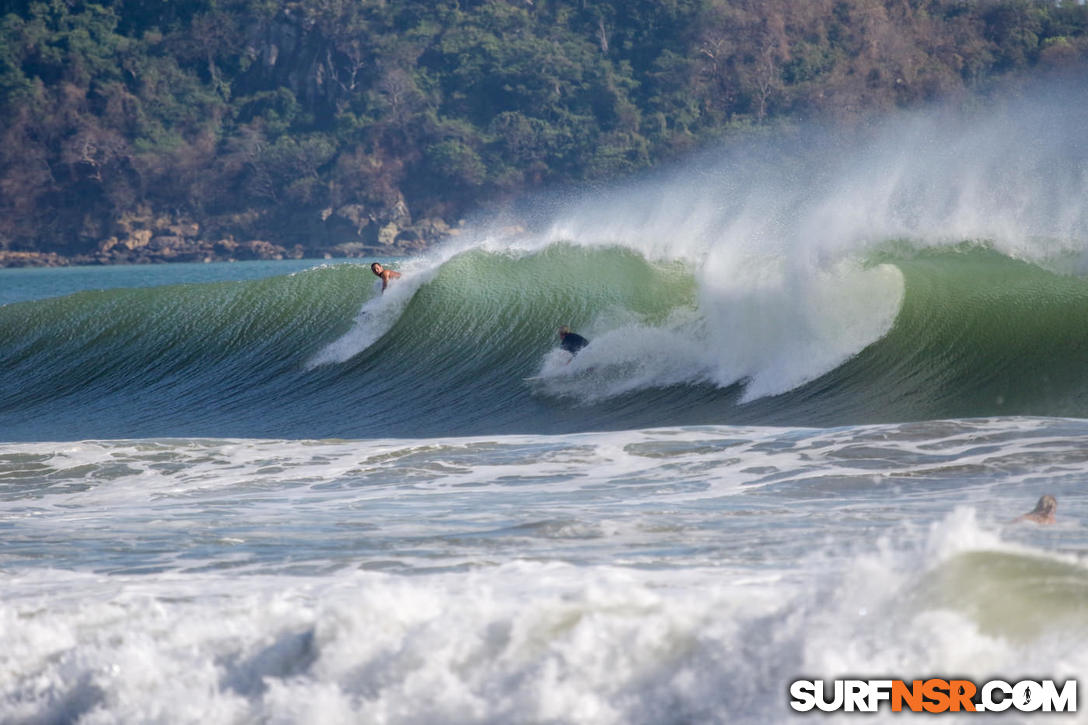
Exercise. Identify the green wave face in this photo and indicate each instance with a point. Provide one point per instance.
(975, 333)
(978, 334)
(1016, 596)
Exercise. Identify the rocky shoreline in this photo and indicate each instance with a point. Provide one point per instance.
(145, 239)
(162, 251)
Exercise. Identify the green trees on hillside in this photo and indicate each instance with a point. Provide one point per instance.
(371, 121)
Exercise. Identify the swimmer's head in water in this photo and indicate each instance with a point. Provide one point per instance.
(376, 268)
(1043, 513)
(1047, 505)
(564, 331)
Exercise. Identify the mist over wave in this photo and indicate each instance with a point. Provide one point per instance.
(1012, 172)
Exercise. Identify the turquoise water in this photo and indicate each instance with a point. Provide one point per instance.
(17, 285)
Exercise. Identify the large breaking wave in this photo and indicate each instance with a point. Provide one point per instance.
(930, 267)
(952, 332)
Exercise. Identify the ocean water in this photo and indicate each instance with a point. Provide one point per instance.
(826, 373)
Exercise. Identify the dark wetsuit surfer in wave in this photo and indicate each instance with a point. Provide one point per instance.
(572, 342)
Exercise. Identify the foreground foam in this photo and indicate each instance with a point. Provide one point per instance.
(522, 641)
(657, 576)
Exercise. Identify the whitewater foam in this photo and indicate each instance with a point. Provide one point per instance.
(663, 575)
(521, 641)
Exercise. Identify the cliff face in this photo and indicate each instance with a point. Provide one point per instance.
(133, 130)
(290, 52)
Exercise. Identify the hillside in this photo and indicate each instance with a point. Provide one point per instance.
(138, 130)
